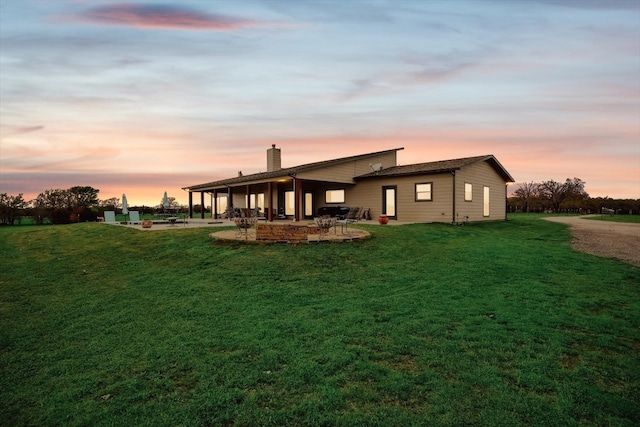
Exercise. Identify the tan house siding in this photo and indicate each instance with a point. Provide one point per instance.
(480, 175)
(345, 172)
(368, 194)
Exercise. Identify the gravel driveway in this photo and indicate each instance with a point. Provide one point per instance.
(604, 238)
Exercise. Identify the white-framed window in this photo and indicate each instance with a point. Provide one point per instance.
(334, 196)
(424, 192)
(468, 192)
(389, 201)
(485, 204)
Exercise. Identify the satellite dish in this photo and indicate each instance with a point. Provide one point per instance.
(376, 167)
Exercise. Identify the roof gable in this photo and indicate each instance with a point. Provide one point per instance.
(285, 172)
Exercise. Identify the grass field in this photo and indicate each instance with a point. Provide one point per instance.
(495, 324)
(635, 219)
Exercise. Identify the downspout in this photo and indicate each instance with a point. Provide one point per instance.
(453, 217)
(506, 202)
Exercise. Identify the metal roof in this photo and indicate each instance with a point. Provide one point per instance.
(439, 167)
(280, 173)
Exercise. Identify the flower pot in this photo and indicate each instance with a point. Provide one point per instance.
(147, 223)
(383, 219)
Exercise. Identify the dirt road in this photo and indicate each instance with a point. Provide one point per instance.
(604, 238)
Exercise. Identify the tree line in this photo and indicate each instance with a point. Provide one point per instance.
(81, 203)
(568, 196)
(58, 206)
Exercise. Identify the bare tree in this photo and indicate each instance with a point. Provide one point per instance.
(554, 192)
(527, 193)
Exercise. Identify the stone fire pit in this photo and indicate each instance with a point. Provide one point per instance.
(291, 233)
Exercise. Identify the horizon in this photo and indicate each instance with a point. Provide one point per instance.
(139, 98)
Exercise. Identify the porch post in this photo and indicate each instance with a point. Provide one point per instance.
(190, 204)
(270, 201)
(297, 196)
(214, 205)
(453, 218)
(202, 205)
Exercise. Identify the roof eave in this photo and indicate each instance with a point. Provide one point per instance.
(262, 177)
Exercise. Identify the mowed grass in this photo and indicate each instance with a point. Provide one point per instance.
(634, 219)
(495, 324)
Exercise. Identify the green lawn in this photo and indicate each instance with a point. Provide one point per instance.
(617, 218)
(495, 324)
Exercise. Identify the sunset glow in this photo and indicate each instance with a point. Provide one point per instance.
(142, 97)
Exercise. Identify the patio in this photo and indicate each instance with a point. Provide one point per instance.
(291, 232)
(311, 233)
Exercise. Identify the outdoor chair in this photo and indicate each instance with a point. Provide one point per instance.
(231, 213)
(109, 216)
(352, 216)
(134, 217)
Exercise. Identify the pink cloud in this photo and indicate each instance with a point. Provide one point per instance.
(169, 17)
(6, 131)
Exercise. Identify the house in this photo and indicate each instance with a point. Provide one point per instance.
(458, 190)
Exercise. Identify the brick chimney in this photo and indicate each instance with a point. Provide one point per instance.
(273, 159)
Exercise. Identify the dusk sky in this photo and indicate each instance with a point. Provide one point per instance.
(143, 97)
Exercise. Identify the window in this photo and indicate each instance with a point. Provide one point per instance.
(255, 200)
(486, 202)
(468, 192)
(334, 196)
(423, 192)
(289, 203)
(260, 201)
(221, 204)
(308, 204)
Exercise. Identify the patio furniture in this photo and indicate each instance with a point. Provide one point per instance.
(134, 217)
(352, 217)
(325, 223)
(336, 211)
(109, 216)
(244, 225)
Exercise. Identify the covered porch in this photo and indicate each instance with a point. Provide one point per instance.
(278, 198)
